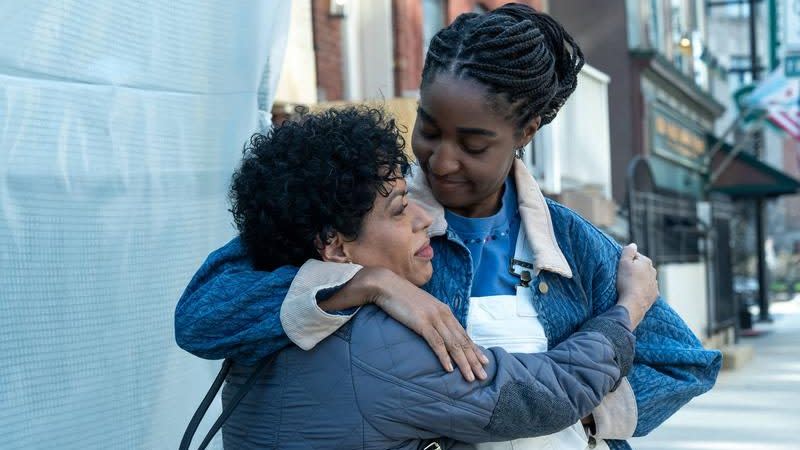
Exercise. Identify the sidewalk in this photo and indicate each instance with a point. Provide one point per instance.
(755, 408)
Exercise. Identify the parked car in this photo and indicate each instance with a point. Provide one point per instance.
(746, 290)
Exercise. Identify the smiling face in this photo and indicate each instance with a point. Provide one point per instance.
(393, 235)
(464, 145)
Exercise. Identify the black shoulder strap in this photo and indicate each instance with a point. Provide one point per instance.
(191, 429)
(434, 444)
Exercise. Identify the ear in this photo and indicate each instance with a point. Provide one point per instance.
(335, 250)
(530, 130)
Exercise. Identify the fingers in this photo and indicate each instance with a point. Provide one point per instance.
(458, 355)
(461, 350)
(444, 334)
(629, 251)
(475, 357)
(436, 343)
(481, 356)
(448, 349)
(474, 353)
(467, 356)
(462, 339)
(643, 258)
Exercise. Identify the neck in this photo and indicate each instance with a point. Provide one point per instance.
(484, 208)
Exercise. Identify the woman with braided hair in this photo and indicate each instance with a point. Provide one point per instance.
(518, 271)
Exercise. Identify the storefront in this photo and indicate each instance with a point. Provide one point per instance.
(676, 117)
(746, 182)
(667, 201)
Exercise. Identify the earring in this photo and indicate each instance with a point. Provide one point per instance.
(519, 153)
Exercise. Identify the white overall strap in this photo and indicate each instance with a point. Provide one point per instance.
(524, 322)
(509, 321)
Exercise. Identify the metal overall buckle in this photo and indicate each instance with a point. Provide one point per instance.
(525, 275)
(433, 446)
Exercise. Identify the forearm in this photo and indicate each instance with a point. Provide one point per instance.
(234, 314)
(525, 395)
(302, 315)
(367, 286)
(571, 383)
(616, 416)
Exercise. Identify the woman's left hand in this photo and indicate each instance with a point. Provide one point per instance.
(419, 311)
(434, 321)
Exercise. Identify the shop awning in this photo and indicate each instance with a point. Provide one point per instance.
(747, 176)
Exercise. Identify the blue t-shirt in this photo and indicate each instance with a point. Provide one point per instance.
(491, 242)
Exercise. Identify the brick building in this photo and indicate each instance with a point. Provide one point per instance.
(375, 50)
(411, 23)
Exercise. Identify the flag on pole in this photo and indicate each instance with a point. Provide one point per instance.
(779, 96)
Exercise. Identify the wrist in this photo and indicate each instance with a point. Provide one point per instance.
(362, 289)
(370, 284)
(634, 308)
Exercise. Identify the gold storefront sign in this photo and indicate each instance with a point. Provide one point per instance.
(678, 141)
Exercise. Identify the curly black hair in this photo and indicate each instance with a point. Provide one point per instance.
(303, 181)
(516, 52)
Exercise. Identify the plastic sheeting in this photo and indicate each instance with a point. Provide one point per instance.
(120, 125)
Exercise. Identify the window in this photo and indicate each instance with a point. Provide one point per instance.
(739, 10)
(433, 20)
(479, 8)
(739, 71)
(529, 157)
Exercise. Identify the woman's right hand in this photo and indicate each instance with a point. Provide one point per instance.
(426, 316)
(637, 283)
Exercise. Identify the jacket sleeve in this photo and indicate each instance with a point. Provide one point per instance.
(305, 323)
(403, 392)
(671, 366)
(230, 310)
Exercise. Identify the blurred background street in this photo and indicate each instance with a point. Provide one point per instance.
(753, 408)
(122, 121)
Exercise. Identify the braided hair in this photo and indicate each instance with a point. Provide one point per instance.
(515, 51)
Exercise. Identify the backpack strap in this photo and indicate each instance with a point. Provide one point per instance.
(191, 429)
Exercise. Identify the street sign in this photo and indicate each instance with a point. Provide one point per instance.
(791, 65)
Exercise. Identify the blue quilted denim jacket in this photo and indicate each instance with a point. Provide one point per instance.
(231, 311)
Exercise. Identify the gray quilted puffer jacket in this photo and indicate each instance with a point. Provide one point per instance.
(376, 385)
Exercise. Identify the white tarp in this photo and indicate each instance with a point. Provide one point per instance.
(120, 125)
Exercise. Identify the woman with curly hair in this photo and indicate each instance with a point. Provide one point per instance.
(332, 189)
(517, 271)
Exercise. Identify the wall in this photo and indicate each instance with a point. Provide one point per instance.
(584, 121)
(572, 160)
(684, 286)
(603, 38)
(363, 43)
(791, 203)
(119, 131)
(456, 7)
(328, 52)
(368, 45)
(408, 23)
(298, 79)
(408, 58)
